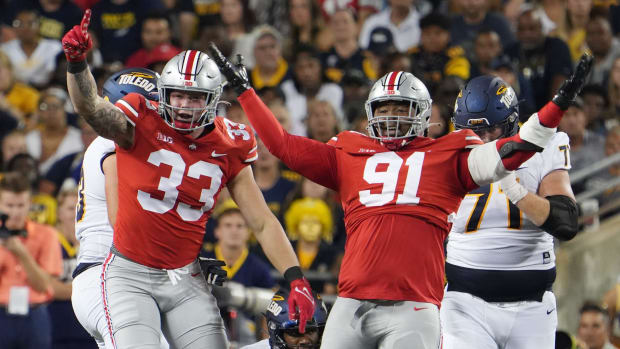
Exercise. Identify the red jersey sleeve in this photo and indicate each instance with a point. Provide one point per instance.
(131, 106)
(312, 159)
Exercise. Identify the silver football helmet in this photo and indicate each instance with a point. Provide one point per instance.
(398, 86)
(194, 71)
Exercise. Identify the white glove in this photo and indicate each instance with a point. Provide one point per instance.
(513, 190)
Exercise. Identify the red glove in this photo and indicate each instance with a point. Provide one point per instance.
(301, 298)
(76, 43)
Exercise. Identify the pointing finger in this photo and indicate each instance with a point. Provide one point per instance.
(85, 22)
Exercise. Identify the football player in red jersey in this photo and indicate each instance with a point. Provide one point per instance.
(173, 158)
(399, 190)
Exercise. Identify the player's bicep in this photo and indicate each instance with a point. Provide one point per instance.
(111, 122)
(111, 186)
(247, 195)
(556, 182)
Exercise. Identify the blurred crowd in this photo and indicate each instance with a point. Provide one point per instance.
(312, 62)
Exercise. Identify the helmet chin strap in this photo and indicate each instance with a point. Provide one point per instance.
(396, 144)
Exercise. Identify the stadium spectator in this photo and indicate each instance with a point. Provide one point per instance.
(281, 113)
(487, 47)
(309, 224)
(307, 27)
(609, 196)
(544, 61)
(322, 122)
(117, 25)
(475, 16)
(65, 172)
(577, 16)
(43, 208)
(17, 99)
(12, 144)
(238, 20)
(401, 19)
(309, 83)
(611, 303)
(594, 327)
(438, 123)
(345, 54)
(55, 138)
(29, 258)
(155, 33)
(67, 333)
(596, 107)
(604, 46)
(55, 16)
(195, 14)
(586, 147)
(507, 70)
(270, 68)
(32, 57)
(613, 88)
(433, 59)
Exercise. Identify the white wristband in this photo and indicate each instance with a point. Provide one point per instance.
(513, 190)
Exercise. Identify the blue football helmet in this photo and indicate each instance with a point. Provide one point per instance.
(138, 80)
(278, 322)
(486, 103)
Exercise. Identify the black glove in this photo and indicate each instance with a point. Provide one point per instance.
(236, 74)
(212, 269)
(570, 88)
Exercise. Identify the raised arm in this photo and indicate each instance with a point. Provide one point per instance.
(492, 161)
(274, 242)
(312, 159)
(107, 120)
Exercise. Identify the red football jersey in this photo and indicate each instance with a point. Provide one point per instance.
(168, 184)
(398, 207)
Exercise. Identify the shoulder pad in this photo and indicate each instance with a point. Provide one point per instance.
(356, 143)
(459, 139)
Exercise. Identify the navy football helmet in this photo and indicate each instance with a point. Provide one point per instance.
(485, 104)
(138, 80)
(278, 322)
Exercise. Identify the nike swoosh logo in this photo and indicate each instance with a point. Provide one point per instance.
(521, 168)
(195, 274)
(306, 293)
(418, 309)
(550, 311)
(216, 155)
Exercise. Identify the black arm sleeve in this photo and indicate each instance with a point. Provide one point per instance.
(563, 217)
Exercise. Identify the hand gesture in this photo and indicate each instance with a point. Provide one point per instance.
(236, 74)
(76, 43)
(572, 86)
(301, 303)
(212, 269)
(14, 245)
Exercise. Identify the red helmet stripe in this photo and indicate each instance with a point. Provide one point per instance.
(392, 78)
(189, 64)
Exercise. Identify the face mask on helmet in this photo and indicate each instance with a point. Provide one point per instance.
(189, 91)
(398, 109)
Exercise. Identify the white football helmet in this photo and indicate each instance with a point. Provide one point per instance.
(401, 87)
(190, 70)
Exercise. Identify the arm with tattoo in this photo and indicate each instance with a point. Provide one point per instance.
(107, 120)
